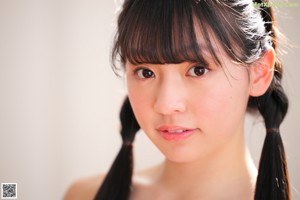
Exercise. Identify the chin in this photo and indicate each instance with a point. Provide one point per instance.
(183, 155)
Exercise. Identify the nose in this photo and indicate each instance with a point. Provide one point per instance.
(170, 97)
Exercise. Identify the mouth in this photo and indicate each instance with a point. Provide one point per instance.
(175, 133)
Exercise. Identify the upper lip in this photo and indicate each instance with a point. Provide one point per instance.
(174, 128)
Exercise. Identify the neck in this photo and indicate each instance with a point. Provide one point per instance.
(229, 169)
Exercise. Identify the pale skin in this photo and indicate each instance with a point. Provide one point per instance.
(213, 162)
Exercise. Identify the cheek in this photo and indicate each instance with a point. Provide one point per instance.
(223, 105)
(141, 104)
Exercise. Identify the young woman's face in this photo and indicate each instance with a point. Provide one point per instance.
(189, 110)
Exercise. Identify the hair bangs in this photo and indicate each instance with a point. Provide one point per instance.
(161, 32)
(174, 31)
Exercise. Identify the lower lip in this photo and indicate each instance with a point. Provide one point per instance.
(177, 136)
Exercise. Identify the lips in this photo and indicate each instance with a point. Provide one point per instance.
(175, 133)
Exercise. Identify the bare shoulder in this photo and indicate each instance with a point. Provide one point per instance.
(84, 189)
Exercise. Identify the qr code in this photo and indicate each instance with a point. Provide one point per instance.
(8, 190)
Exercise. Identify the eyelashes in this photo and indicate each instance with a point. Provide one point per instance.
(195, 70)
(144, 73)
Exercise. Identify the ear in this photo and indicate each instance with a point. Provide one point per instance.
(261, 73)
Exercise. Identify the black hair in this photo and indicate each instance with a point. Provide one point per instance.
(272, 180)
(117, 183)
(165, 31)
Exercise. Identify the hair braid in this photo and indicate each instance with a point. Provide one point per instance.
(117, 183)
(272, 181)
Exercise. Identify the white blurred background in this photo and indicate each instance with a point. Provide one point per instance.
(59, 99)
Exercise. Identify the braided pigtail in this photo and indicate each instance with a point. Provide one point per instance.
(117, 183)
(272, 181)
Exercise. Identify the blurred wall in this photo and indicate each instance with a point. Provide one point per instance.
(59, 99)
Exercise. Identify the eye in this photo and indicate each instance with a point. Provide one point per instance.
(197, 71)
(144, 73)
